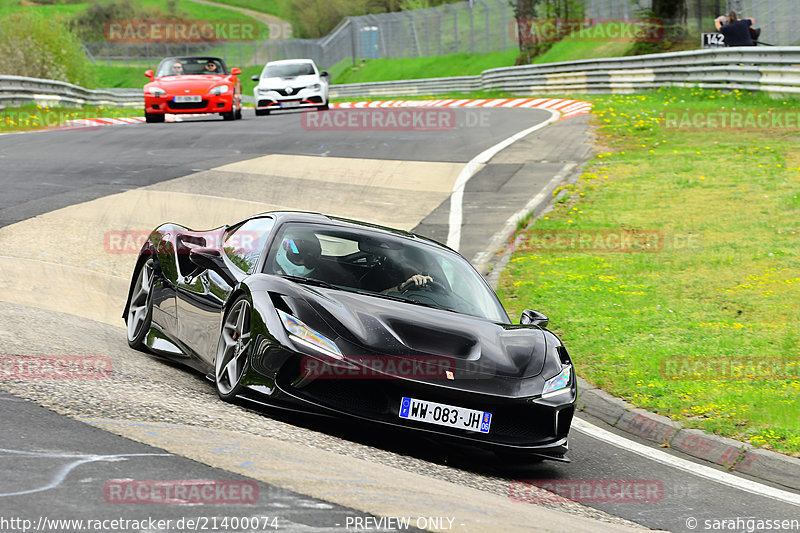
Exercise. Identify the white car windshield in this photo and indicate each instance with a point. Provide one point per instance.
(288, 70)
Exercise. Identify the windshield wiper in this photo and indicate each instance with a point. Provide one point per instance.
(309, 281)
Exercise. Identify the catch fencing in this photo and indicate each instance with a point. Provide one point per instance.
(476, 27)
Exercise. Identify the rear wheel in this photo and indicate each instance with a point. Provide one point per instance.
(233, 350)
(140, 308)
(151, 118)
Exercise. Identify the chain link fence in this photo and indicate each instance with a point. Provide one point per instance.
(779, 20)
(476, 27)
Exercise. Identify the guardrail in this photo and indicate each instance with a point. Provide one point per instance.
(18, 90)
(774, 70)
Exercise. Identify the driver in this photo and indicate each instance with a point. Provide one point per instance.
(298, 256)
(211, 68)
(411, 262)
(417, 280)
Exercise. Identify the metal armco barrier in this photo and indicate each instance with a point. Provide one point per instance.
(774, 70)
(18, 90)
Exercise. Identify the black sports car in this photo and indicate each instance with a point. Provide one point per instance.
(351, 319)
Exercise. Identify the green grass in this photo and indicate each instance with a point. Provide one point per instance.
(62, 11)
(420, 67)
(192, 10)
(34, 117)
(576, 47)
(723, 289)
(279, 8)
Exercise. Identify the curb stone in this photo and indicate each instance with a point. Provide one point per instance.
(734, 455)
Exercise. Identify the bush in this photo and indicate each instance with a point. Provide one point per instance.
(34, 46)
(89, 24)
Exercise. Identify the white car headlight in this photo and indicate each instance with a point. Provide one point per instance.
(314, 87)
(558, 383)
(302, 334)
(156, 91)
(218, 90)
(263, 90)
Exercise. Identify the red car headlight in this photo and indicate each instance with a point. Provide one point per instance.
(218, 90)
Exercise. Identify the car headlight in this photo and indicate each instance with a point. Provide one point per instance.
(156, 91)
(558, 383)
(302, 334)
(314, 87)
(263, 90)
(218, 90)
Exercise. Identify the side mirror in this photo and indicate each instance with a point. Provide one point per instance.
(254, 78)
(534, 318)
(324, 74)
(235, 71)
(211, 259)
(149, 74)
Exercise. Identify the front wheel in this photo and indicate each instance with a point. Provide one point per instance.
(323, 107)
(140, 308)
(228, 115)
(238, 115)
(233, 350)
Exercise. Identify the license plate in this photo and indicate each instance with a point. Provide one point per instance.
(184, 99)
(290, 104)
(445, 415)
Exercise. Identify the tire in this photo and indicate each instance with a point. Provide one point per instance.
(262, 112)
(238, 114)
(228, 115)
(153, 118)
(323, 107)
(233, 350)
(140, 309)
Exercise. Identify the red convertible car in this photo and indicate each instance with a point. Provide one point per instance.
(192, 85)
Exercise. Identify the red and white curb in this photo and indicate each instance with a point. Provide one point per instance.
(567, 108)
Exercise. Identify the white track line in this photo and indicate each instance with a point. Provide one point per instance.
(457, 196)
(696, 469)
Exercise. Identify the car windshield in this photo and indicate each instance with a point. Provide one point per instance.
(287, 70)
(381, 264)
(178, 66)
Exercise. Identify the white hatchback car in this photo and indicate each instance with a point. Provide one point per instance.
(290, 83)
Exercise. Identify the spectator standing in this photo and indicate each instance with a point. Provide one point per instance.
(735, 30)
